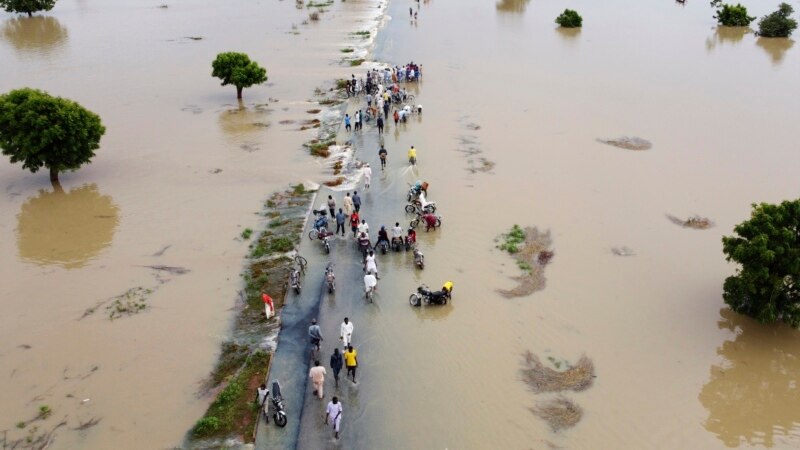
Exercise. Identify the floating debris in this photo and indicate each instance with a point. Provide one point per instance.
(133, 301)
(628, 143)
(622, 251)
(195, 38)
(531, 250)
(215, 171)
(696, 222)
(172, 270)
(559, 413)
(541, 378)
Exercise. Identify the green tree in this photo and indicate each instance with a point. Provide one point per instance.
(45, 131)
(768, 248)
(778, 23)
(237, 69)
(569, 19)
(27, 6)
(731, 15)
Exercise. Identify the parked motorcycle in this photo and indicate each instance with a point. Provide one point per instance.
(294, 281)
(330, 279)
(417, 208)
(419, 258)
(424, 294)
(276, 399)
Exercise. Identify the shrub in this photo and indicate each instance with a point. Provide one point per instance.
(778, 23)
(569, 19)
(730, 15)
(206, 426)
(314, 16)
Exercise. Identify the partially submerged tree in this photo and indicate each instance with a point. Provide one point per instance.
(44, 131)
(778, 23)
(569, 19)
(27, 6)
(237, 69)
(731, 15)
(767, 286)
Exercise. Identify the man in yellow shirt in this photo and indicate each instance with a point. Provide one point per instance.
(351, 361)
(412, 155)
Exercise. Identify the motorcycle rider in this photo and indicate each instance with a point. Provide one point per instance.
(397, 234)
(382, 237)
(363, 242)
(411, 238)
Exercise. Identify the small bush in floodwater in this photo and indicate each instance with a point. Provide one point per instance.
(778, 23)
(513, 239)
(299, 189)
(314, 16)
(246, 233)
(281, 244)
(569, 19)
(731, 15)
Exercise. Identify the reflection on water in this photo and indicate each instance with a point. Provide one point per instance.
(722, 35)
(776, 47)
(66, 228)
(512, 6)
(569, 34)
(753, 395)
(35, 34)
(241, 121)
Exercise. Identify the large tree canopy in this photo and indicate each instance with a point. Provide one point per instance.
(44, 131)
(27, 6)
(237, 69)
(768, 248)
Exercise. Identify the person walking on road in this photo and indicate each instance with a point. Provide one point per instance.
(363, 227)
(354, 223)
(348, 205)
(367, 176)
(332, 205)
(382, 154)
(314, 334)
(351, 361)
(340, 222)
(380, 125)
(346, 332)
(357, 201)
(347, 126)
(334, 413)
(396, 117)
(317, 375)
(336, 364)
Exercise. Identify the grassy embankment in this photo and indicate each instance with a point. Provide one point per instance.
(243, 364)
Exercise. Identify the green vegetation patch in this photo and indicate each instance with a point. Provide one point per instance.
(133, 301)
(513, 239)
(731, 15)
(357, 62)
(778, 23)
(346, 50)
(569, 19)
(233, 412)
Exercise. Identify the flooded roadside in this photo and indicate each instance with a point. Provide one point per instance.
(180, 174)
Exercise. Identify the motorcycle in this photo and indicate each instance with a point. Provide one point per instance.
(424, 294)
(326, 241)
(294, 281)
(384, 246)
(416, 208)
(320, 230)
(419, 258)
(415, 190)
(414, 223)
(409, 244)
(330, 279)
(397, 244)
(279, 415)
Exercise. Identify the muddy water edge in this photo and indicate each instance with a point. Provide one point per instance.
(153, 225)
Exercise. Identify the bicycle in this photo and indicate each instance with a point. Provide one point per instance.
(302, 262)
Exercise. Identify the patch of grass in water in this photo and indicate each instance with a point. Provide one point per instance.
(357, 62)
(246, 233)
(512, 240)
(347, 50)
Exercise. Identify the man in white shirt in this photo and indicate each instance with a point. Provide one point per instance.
(370, 282)
(363, 227)
(346, 332)
(334, 413)
(317, 375)
(370, 265)
(367, 176)
(397, 233)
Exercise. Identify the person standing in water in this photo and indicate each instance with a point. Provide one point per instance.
(334, 413)
(382, 153)
(346, 332)
(336, 364)
(317, 375)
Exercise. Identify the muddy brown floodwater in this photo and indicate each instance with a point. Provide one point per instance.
(674, 368)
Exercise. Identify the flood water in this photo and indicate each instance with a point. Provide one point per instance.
(675, 369)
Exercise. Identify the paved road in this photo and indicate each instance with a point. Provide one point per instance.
(382, 205)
